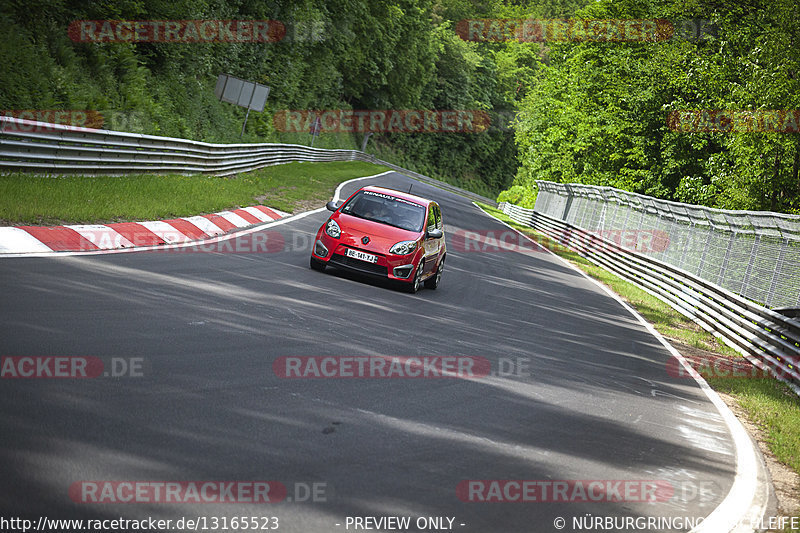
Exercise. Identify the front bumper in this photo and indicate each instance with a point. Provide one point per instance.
(388, 266)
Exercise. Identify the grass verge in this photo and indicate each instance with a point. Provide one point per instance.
(769, 405)
(292, 187)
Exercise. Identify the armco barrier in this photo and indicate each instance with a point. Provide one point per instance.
(57, 149)
(769, 340)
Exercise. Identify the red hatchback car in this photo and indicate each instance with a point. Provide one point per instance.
(385, 233)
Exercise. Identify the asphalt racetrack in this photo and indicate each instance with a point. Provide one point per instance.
(577, 415)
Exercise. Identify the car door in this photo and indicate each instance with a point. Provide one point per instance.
(432, 246)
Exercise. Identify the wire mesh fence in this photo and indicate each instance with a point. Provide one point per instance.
(753, 254)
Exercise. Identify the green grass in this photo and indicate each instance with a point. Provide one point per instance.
(27, 199)
(768, 403)
(773, 408)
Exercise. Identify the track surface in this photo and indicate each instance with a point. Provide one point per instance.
(595, 403)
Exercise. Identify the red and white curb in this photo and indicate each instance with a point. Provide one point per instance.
(96, 237)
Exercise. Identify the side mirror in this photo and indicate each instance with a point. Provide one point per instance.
(435, 234)
(331, 206)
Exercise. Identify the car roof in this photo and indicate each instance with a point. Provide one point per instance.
(404, 195)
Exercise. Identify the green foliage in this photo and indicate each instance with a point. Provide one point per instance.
(337, 54)
(519, 195)
(598, 112)
(587, 112)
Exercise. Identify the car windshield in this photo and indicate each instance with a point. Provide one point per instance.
(386, 209)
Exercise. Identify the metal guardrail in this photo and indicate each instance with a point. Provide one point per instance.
(57, 149)
(769, 340)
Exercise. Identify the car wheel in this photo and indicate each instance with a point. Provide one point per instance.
(416, 285)
(433, 282)
(317, 265)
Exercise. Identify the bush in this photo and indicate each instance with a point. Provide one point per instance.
(519, 195)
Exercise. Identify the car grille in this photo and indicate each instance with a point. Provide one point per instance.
(356, 264)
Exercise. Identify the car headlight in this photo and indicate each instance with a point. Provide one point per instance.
(332, 229)
(403, 247)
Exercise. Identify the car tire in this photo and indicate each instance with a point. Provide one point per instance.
(317, 265)
(433, 281)
(416, 283)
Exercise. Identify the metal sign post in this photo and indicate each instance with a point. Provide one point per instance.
(315, 127)
(364, 142)
(245, 122)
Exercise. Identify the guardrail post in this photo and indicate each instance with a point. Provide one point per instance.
(773, 284)
(751, 260)
(724, 268)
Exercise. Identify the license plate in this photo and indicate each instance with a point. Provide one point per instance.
(355, 254)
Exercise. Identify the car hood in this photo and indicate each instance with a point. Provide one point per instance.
(382, 236)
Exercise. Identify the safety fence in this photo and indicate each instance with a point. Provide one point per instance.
(751, 253)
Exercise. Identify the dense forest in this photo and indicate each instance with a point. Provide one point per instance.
(599, 112)
(591, 106)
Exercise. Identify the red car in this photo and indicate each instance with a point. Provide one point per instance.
(385, 233)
